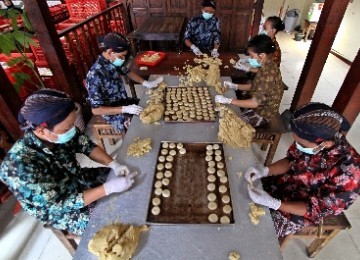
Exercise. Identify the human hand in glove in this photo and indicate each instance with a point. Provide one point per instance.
(222, 100)
(256, 172)
(242, 67)
(152, 83)
(214, 53)
(118, 168)
(243, 60)
(231, 85)
(119, 184)
(196, 50)
(132, 109)
(261, 197)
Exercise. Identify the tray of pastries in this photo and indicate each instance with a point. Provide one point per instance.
(190, 185)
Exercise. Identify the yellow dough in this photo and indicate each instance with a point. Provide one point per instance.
(211, 164)
(234, 256)
(212, 205)
(182, 151)
(160, 166)
(225, 199)
(213, 218)
(208, 158)
(211, 197)
(161, 159)
(155, 210)
(209, 152)
(116, 241)
(156, 201)
(166, 193)
(220, 165)
(164, 151)
(211, 170)
(169, 158)
(227, 209)
(159, 175)
(165, 181)
(222, 189)
(172, 152)
(152, 113)
(220, 173)
(255, 213)
(168, 165)
(158, 191)
(158, 184)
(216, 146)
(211, 178)
(223, 179)
(224, 220)
(211, 187)
(218, 158)
(139, 147)
(168, 174)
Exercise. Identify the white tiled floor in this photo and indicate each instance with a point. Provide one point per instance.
(22, 237)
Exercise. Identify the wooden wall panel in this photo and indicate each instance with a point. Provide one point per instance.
(239, 34)
(179, 7)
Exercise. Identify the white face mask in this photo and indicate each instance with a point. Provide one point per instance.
(314, 150)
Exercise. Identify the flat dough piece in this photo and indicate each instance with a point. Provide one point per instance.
(211, 164)
(166, 193)
(220, 173)
(179, 145)
(168, 174)
(225, 199)
(169, 158)
(158, 191)
(212, 205)
(234, 255)
(227, 209)
(223, 179)
(216, 146)
(160, 167)
(172, 152)
(208, 158)
(217, 152)
(209, 147)
(213, 218)
(156, 201)
(211, 187)
(210, 152)
(158, 184)
(155, 210)
(159, 175)
(161, 158)
(220, 165)
(211, 197)
(218, 158)
(168, 165)
(182, 151)
(164, 151)
(211, 170)
(165, 145)
(224, 220)
(172, 145)
(222, 189)
(165, 181)
(211, 178)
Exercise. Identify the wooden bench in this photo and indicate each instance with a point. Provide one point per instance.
(321, 234)
(102, 130)
(270, 136)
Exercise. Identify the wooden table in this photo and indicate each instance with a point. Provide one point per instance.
(183, 241)
(159, 28)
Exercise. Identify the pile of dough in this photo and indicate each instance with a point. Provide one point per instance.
(139, 147)
(152, 113)
(233, 130)
(255, 213)
(234, 255)
(156, 96)
(116, 241)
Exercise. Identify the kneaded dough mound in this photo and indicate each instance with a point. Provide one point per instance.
(233, 130)
(234, 255)
(255, 213)
(152, 113)
(139, 147)
(116, 241)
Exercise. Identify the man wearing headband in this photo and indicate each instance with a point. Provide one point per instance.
(41, 168)
(320, 176)
(106, 88)
(202, 32)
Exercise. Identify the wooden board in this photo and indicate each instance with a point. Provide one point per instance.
(188, 203)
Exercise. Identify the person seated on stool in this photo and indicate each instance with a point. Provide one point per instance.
(320, 176)
(266, 88)
(106, 87)
(202, 32)
(41, 169)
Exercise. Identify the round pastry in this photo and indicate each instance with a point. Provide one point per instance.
(216, 146)
(172, 152)
(169, 158)
(227, 209)
(156, 201)
(168, 174)
(172, 145)
(224, 220)
(212, 205)
(213, 218)
(164, 151)
(158, 191)
(174, 117)
(208, 158)
(158, 184)
(211, 178)
(225, 199)
(160, 166)
(223, 179)
(220, 173)
(165, 181)
(211, 170)
(222, 189)
(182, 151)
(168, 165)
(211, 197)
(179, 145)
(210, 152)
(155, 210)
(166, 118)
(166, 193)
(159, 175)
(218, 158)
(220, 165)
(165, 145)
(211, 164)
(161, 158)
(209, 147)
(211, 187)
(217, 152)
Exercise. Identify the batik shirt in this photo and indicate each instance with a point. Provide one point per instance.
(106, 88)
(276, 56)
(203, 33)
(328, 182)
(49, 183)
(267, 89)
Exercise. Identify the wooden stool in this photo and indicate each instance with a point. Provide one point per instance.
(66, 238)
(270, 135)
(102, 130)
(322, 233)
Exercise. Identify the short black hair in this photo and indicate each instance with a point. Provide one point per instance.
(261, 44)
(276, 23)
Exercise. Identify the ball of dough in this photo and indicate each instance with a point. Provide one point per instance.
(225, 199)
(168, 174)
(223, 179)
(172, 145)
(169, 158)
(179, 145)
(218, 158)
(155, 210)
(168, 165)
(211, 197)
(165, 181)
(217, 152)
(166, 193)
(161, 158)
(158, 191)
(222, 189)
(159, 175)
(209, 147)
(211, 187)
(208, 158)
(227, 209)
(216, 146)
(213, 218)
(212, 205)
(220, 165)
(158, 184)
(211, 170)
(224, 220)
(165, 145)
(164, 151)
(211, 178)
(220, 173)
(172, 152)
(156, 201)
(211, 164)
(182, 151)
(160, 166)
(210, 152)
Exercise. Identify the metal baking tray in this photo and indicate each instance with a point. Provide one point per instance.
(188, 203)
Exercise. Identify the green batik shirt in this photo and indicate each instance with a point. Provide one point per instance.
(49, 183)
(267, 89)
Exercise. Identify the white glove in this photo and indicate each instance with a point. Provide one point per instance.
(222, 100)
(215, 53)
(153, 83)
(256, 172)
(132, 109)
(196, 50)
(242, 67)
(231, 85)
(261, 197)
(243, 60)
(118, 168)
(119, 184)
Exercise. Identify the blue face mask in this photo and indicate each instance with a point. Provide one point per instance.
(254, 63)
(65, 137)
(263, 32)
(314, 150)
(118, 62)
(207, 16)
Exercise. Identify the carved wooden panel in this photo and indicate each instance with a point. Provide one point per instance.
(239, 34)
(179, 7)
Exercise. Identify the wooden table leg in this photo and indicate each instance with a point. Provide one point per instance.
(272, 150)
(319, 243)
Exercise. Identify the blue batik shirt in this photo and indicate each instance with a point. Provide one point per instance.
(106, 88)
(49, 183)
(203, 33)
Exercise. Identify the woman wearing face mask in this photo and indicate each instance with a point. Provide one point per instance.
(106, 87)
(266, 88)
(320, 175)
(41, 168)
(202, 32)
